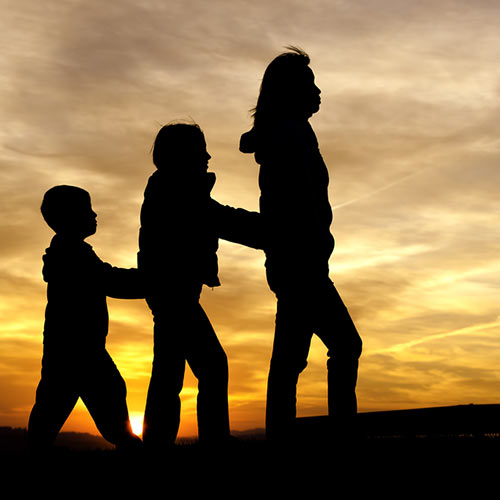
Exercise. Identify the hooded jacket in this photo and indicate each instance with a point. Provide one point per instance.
(294, 205)
(180, 229)
(77, 285)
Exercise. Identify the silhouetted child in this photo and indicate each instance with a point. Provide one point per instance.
(178, 241)
(75, 362)
(297, 215)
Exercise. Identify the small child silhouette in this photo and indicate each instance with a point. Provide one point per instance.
(75, 362)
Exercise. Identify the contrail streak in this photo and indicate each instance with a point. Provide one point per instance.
(430, 338)
(379, 190)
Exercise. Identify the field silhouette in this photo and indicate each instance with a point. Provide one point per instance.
(443, 448)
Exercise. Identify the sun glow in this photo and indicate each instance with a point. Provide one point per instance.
(136, 420)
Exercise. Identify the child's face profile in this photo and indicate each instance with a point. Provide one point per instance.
(308, 92)
(83, 219)
(181, 149)
(196, 154)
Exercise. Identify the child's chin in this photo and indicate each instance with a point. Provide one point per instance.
(90, 232)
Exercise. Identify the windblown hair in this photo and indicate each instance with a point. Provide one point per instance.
(280, 83)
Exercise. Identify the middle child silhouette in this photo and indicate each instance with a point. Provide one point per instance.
(178, 241)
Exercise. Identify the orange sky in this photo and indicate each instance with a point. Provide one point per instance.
(409, 130)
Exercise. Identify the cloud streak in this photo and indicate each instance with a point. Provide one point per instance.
(462, 331)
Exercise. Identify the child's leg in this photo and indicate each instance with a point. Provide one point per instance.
(292, 340)
(104, 392)
(207, 359)
(56, 396)
(163, 404)
(338, 332)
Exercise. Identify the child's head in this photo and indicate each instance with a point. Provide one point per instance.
(181, 146)
(68, 210)
(288, 88)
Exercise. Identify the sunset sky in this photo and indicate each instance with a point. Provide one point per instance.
(410, 131)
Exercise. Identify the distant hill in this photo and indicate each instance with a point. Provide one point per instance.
(14, 440)
(253, 434)
(446, 421)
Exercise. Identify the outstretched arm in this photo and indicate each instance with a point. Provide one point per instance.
(238, 225)
(122, 283)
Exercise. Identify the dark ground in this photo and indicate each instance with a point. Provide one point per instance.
(402, 466)
(417, 458)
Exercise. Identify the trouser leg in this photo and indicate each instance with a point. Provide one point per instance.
(338, 332)
(208, 361)
(316, 308)
(104, 393)
(183, 332)
(163, 404)
(289, 358)
(56, 397)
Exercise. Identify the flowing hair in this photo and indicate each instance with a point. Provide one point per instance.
(280, 83)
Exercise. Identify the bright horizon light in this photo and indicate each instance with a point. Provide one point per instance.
(136, 420)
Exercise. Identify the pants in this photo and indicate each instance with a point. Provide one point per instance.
(92, 376)
(182, 332)
(317, 309)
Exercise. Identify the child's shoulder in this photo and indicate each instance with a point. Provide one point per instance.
(67, 260)
(67, 252)
(155, 184)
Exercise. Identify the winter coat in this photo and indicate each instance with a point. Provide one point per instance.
(180, 230)
(77, 285)
(294, 204)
